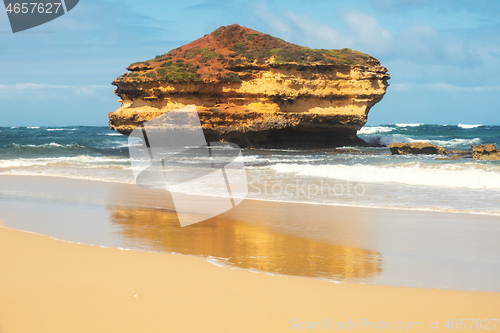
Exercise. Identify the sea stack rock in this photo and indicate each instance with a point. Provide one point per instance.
(485, 152)
(256, 90)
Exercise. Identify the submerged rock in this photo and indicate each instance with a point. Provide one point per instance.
(416, 148)
(485, 152)
(256, 90)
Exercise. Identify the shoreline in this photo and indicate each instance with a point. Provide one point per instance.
(63, 287)
(436, 210)
(337, 243)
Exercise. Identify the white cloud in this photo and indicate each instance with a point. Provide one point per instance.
(13, 90)
(276, 22)
(442, 86)
(451, 87)
(362, 30)
(320, 35)
(413, 42)
(367, 33)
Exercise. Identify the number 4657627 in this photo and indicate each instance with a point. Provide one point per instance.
(33, 7)
(485, 324)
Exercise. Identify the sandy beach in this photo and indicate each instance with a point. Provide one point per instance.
(50, 285)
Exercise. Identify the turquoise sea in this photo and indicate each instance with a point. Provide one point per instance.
(351, 176)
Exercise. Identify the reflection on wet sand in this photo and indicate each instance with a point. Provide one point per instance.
(419, 249)
(246, 245)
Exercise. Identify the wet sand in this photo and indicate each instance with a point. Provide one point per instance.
(52, 286)
(347, 244)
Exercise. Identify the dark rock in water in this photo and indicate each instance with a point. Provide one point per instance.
(416, 148)
(485, 152)
(456, 154)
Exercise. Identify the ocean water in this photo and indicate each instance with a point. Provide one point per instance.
(424, 249)
(351, 176)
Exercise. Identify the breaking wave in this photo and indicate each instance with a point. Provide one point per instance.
(466, 126)
(467, 175)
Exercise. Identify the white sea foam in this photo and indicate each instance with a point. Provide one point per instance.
(375, 129)
(467, 175)
(19, 163)
(61, 129)
(121, 144)
(408, 125)
(467, 126)
(52, 144)
(450, 143)
(32, 127)
(254, 159)
(65, 174)
(114, 134)
(456, 142)
(31, 162)
(380, 206)
(219, 262)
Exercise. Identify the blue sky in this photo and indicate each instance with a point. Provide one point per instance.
(444, 55)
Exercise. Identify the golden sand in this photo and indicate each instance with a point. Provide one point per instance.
(48, 285)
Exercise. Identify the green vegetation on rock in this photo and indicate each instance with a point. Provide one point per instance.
(140, 63)
(229, 50)
(238, 47)
(203, 51)
(231, 77)
(177, 71)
